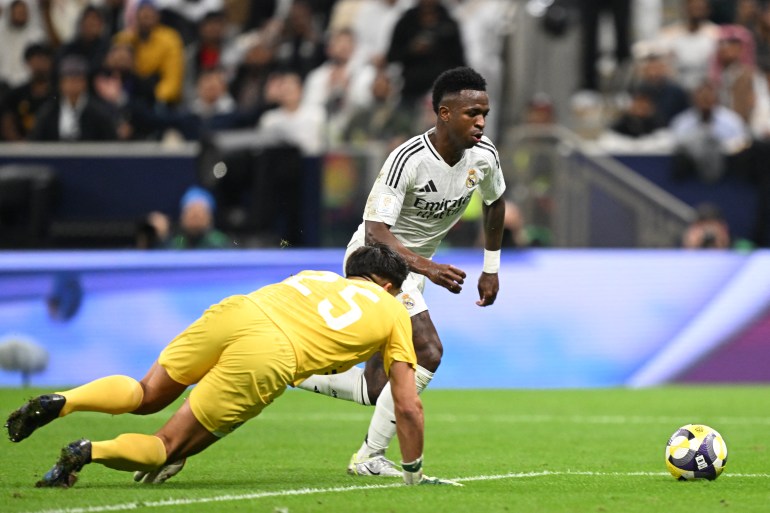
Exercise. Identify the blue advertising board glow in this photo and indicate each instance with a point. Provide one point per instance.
(564, 318)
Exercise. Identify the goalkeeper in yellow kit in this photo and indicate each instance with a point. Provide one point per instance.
(242, 353)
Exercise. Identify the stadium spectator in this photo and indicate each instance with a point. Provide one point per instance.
(373, 25)
(293, 122)
(60, 19)
(706, 135)
(299, 45)
(248, 85)
(540, 110)
(130, 97)
(641, 117)
(152, 231)
(158, 52)
(208, 50)
(74, 115)
(90, 41)
(692, 43)
(342, 14)
(196, 223)
(17, 32)
(331, 86)
(212, 97)
(708, 231)
(20, 107)
(251, 15)
(653, 73)
(647, 19)
(413, 204)
(114, 12)
(240, 362)
(322, 12)
(382, 119)
(748, 15)
(762, 34)
(210, 109)
(734, 70)
(185, 16)
(426, 41)
(591, 11)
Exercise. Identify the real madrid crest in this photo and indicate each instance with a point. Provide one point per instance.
(407, 301)
(472, 179)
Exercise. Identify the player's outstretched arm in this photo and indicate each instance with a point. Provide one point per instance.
(443, 275)
(489, 284)
(408, 410)
(410, 424)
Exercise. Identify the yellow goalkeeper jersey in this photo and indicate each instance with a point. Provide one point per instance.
(334, 322)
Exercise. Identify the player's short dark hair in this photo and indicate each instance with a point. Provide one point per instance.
(455, 80)
(380, 260)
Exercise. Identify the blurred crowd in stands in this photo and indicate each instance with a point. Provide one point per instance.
(698, 64)
(313, 72)
(699, 88)
(318, 73)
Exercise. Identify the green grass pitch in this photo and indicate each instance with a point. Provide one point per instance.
(536, 451)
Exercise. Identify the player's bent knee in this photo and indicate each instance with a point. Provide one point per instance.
(429, 352)
(374, 390)
(183, 435)
(375, 376)
(427, 344)
(373, 396)
(430, 358)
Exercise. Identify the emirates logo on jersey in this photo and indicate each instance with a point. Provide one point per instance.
(472, 179)
(441, 209)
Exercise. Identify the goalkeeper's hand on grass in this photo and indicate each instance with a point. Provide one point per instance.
(413, 475)
(160, 475)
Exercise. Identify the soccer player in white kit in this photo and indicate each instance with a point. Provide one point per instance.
(420, 193)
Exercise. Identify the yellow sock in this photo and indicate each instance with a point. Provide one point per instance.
(113, 394)
(130, 451)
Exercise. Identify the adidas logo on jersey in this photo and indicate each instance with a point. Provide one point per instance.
(430, 187)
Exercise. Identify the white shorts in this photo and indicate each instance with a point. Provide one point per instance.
(411, 290)
(411, 294)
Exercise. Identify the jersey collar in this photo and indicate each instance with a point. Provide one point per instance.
(435, 152)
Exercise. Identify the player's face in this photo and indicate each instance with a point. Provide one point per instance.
(466, 117)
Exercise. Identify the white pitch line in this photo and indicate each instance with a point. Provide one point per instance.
(129, 506)
(518, 419)
(270, 416)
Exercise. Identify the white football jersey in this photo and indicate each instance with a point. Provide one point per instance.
(421, 197)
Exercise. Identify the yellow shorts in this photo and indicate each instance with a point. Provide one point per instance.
(239, 359)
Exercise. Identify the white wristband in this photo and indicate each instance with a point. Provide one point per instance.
(491, 261)
(412, 471)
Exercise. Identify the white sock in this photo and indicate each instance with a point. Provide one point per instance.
(382, 427)
(349, 385)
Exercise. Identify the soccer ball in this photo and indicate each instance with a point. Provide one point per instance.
(696, 451)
